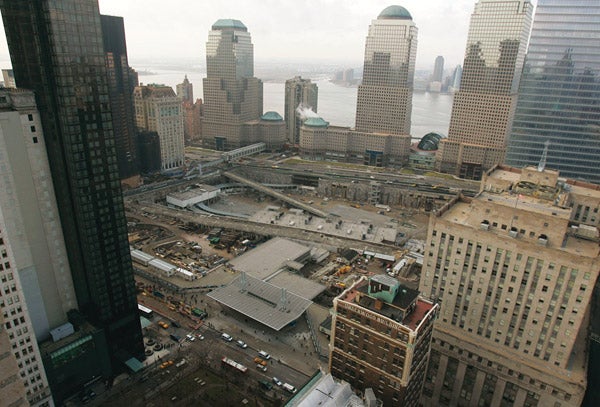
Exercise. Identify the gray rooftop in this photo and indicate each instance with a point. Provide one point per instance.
(262, 301)
(270, 257)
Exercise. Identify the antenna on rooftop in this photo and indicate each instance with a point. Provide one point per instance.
(542, 164)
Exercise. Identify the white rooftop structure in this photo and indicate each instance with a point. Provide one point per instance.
(326, 392)
(266, 303)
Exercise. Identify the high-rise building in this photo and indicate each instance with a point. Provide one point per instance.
(149, 150)
(483, 108)
(559, 91)
(380, 339)
(56, 48)
(301, 98)
(384, 102)
(232, 95)
(9, 78)
(185, 90)
(121, 101)
(193, 114)
(514, 270)
(11, 385)
(36, 289)
(455, 79)
(435, 84)
(158, 109)
(438, 69)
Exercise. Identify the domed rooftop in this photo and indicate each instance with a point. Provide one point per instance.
(394, 13)
(430, 141)
(315, 122)
(226, 23)
(271, 117)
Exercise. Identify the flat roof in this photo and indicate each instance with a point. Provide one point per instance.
(297, 284)
(194, 192)
(269, 257)
(404, 297)
(261, 301)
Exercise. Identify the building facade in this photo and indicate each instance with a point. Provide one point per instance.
(559, 92)
(185, 90)
(380, 339)
(301, 98)
(483, 109)
(9, 78)
(121, 101)
(55, 56)
(436, 84)
(514, 271)
(193, 114)
(158, 109)
(384, 101)
(12, 387)
(36, 289)
(320, 141)
(232, 95)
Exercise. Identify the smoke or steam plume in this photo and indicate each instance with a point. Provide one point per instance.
(305, 112)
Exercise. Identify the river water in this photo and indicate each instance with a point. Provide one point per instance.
(337, 104)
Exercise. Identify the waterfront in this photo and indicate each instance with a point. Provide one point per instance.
(337, 104)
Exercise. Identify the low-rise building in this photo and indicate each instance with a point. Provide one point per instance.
(380, 339)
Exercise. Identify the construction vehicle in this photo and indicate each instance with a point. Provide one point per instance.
(343, 270)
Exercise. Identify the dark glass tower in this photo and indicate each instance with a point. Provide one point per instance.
(559, 96)
(56, 49)
(119, 90)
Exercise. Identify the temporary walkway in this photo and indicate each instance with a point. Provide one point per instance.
(278, 195)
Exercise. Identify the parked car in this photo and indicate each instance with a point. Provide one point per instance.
(226, 337)
(190, 337)
(289, 388)
(264, 354)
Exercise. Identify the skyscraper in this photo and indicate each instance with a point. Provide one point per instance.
(185, 90)
(9, 78)
(384, 103)
(232, 95)
(121, 101)
(36, 290)
(380, 339)
(560, 90)
(300, 95)
(438, 69)
(56, 49)
(483, 108)
(158, 109)
(514, 270)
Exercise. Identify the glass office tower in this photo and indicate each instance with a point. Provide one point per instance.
(57, 51)
(483, 108)
(384, 101)
(232, 95)
(559, 95)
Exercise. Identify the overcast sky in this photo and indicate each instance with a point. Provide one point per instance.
(288, 30)
(315, 31)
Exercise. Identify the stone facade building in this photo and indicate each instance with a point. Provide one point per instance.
(514, 270)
